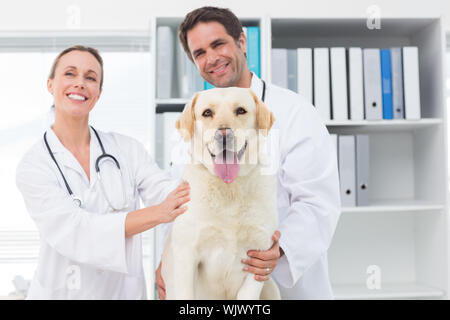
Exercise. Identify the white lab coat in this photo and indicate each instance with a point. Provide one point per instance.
(305, 160)
(83, 251)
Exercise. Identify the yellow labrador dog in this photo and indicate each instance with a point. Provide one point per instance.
(233, 202)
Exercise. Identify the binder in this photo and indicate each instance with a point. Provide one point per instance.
(305, 73)
(322, 82)
(362, 170)
(397, 83)
(183, 72)
(165, 59)
(411, 82)
(253, 50)
(279, 67)
(196, 80)
(292, 69)
(166, 137)
(347, 172)
(189, 79)
(339, 84)
(372, 84)
(355, 84)
(386, 83)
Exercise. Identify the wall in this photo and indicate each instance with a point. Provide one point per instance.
(22, 15)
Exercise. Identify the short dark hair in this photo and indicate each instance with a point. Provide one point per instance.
(92, 51)
(223, 16)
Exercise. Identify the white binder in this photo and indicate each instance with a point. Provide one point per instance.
(292, 69)
(362, 170)
(372, 84)
(397, 83)
(166, 137)
(322, 82)
(305, 73)
(189, 79)
(339, 101)
(279, 67)
(347, 170)
(356, 84)
(164, 60)
(411, 82)
(183, 73)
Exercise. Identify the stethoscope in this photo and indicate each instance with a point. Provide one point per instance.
(104, 155)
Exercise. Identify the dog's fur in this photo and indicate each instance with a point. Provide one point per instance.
(204, 248)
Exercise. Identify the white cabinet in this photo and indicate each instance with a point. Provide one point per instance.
(403, 233)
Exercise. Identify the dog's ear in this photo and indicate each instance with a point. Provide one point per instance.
(264, 116)
(185, 123)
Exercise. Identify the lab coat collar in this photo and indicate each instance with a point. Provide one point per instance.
(256, 85)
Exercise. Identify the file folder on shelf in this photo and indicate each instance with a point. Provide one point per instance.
(322, 82)
(347, 170)
(397, 83)
(189, 79)
(356, 85)
(253, 49)
(279, 67)
(305, 73)
(386, 83)
(292, 69)
(411, 82)
(167, 136)
(372, 84)
(165, 59)
(362, 170)
(339, 84)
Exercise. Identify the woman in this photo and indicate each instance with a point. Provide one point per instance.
(82, 189)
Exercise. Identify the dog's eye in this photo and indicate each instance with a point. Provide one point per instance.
(207, 113)
(241, 110)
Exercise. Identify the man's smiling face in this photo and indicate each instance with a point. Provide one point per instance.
(220, 60)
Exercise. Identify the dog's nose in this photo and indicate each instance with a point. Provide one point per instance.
(224, 135)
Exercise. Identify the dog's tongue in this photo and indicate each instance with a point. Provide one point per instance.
(226, 166)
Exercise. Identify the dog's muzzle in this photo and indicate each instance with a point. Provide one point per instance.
(226, 162)
(224, 137)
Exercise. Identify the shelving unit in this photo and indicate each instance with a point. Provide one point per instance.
(405, 228)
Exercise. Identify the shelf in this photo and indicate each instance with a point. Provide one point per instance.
(387, 291)
(396, 206)
(383, 125)
(172, 101)
(407, 237)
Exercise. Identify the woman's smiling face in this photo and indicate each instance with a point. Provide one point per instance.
(76, 83)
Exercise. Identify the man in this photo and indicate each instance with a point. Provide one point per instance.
(308, 185)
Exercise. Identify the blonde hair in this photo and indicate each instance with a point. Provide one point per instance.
(92, 51)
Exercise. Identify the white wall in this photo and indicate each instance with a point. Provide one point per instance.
(31, 15)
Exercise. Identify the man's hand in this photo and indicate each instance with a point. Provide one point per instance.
(259, 261)
(160, 283)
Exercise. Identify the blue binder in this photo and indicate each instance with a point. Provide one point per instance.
(386, 83)
(253, 50)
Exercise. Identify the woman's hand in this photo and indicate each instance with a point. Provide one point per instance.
(171, 208)
(141, 220)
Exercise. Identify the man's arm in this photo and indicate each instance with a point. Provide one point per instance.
(308, 175)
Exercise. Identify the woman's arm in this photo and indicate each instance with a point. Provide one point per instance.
(141, 220)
